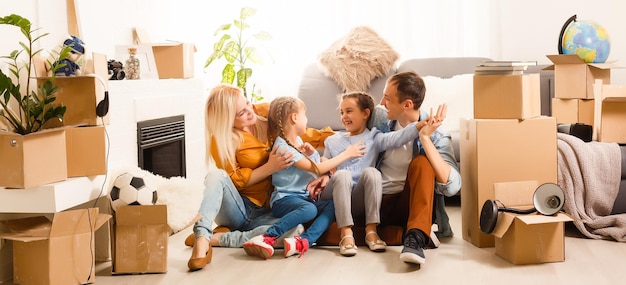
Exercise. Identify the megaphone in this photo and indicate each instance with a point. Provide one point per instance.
(548, 200)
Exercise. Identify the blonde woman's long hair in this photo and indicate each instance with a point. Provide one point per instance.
(219, 119)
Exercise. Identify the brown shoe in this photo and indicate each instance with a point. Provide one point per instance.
(191, 238)
(196, 264)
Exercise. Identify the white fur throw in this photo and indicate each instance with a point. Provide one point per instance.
(182, 196)
(355, 60)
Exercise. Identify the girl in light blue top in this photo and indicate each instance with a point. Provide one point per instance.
(356, 186)
(291, 201)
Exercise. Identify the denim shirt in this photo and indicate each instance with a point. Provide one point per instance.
(440, 138)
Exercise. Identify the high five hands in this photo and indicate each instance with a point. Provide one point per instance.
(430, 124)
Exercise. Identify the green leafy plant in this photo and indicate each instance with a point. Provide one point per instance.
(239, 49)
(33, 104)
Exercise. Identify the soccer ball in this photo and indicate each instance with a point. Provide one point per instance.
(129, 189)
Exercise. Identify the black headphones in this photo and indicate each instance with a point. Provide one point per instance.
(548, 200)
(102, 109)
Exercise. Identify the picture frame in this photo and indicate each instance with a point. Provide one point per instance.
(147, 63)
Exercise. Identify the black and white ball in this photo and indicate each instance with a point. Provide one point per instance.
(129, 189)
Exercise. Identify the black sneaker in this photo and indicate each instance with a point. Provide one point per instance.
(414, 244)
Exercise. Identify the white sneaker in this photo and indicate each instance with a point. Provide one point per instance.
(260, 246)
(434, 241)
(296, 245)
(296, 231)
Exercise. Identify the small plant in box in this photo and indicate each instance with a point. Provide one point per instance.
(239, 49)
(26, 108)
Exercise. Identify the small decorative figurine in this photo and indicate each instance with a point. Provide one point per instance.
(133, 69)
(71, 67)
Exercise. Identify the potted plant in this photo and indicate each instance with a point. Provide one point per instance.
(30, 156)
(239, 49)
(34, 104)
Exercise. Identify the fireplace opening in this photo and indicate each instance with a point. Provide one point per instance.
(161, 146)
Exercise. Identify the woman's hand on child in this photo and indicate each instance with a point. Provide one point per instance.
(279, 160)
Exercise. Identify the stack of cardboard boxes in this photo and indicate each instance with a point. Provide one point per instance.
(508, 141)
(62, 247)
(57, 248)
(577, 101)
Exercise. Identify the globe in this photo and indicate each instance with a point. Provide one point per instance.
(587, 39)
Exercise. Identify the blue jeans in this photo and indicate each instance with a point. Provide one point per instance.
(223, 205)
(295, 209)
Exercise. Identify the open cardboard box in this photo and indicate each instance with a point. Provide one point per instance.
(507, 96)
(527, 238)
(140, 239)
(498, 150)
(613, 114)
(34, 159)
(57, 251)
(173, 59)
(574, 78)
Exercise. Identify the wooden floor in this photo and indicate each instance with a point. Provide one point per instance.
(454, 262)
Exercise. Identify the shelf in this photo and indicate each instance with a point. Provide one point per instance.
(51, 198)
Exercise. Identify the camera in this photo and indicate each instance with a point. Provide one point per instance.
(116, 70)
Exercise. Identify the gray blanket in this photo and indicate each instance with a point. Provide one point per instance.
(590, 174)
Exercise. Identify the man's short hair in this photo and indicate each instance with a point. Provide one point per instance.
(410, 86)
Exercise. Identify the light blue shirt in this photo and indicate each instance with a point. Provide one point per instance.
(375, 141)
(292, 180)
(442, 141)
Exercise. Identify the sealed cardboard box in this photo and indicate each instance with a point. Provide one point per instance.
(507, 96)
(613, 114)
(57, 251)
(86, 151)
(527, 238)
(81, 95)
(574, 78)
(140, 243)
(174, 60)
(32, 160)
(500, 150)
(571, 111)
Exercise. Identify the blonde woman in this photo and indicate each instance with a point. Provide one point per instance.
(238, 183)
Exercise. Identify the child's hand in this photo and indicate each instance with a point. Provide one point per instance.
(316, 186)
(356, 150)
(307, 149)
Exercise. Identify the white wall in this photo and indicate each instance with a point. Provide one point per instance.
(525, 30)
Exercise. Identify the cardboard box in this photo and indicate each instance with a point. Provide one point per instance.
(574, 78)
(613, 114)
(571, 111)
(81, 95)
(527, 239)
(501, 150)
(55, 252)
(507, 96)
(140, 243)
(32, 160)
(174, 60)
(86, 151)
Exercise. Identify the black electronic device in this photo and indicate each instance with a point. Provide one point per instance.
(548, 200)
(102, 108)
(579, 130)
